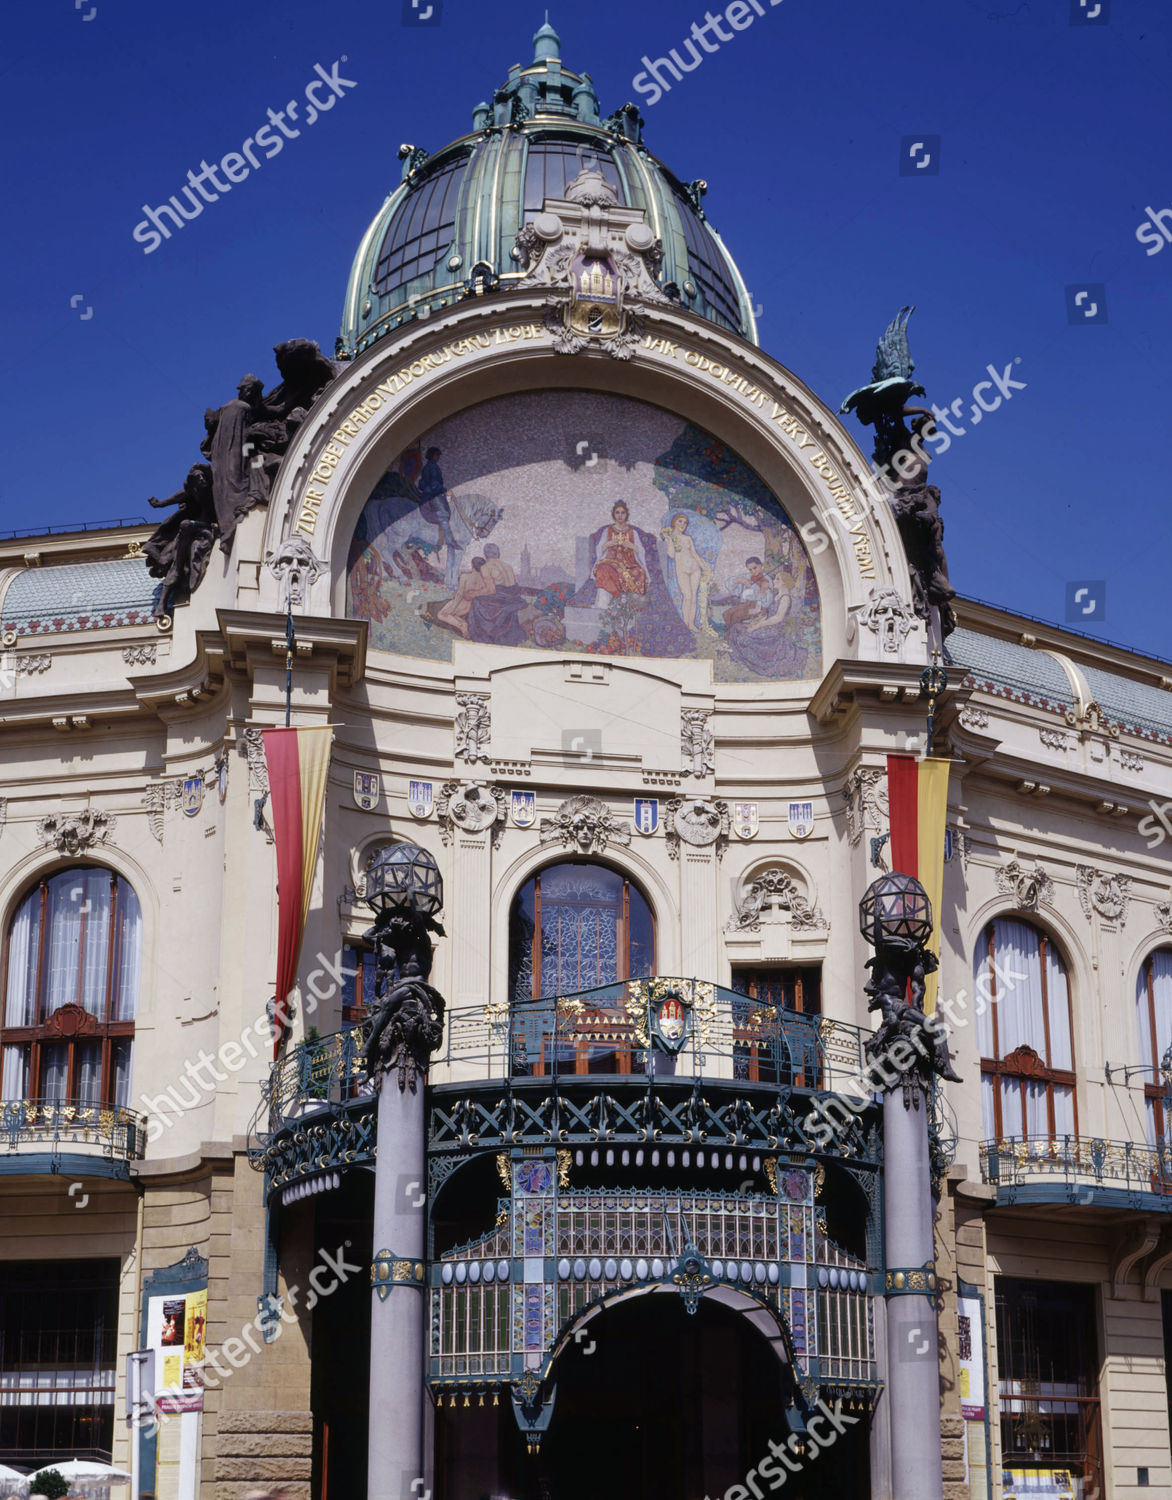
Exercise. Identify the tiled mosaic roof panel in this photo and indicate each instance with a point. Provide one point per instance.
(78, 596)
(1133, 704)
(1031, 672)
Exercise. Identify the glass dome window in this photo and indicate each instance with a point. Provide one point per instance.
(423, 230)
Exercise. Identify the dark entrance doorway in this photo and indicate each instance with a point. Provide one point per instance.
(654, 1404)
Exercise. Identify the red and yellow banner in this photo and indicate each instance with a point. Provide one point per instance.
(918, 801)
(298, 761)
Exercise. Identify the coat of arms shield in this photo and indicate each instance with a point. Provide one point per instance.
(671, 1019)
(366, 790)
(646, 815)
(746, 819)
(523, 809)
(801, 819)
(420, 798)
(191, 799)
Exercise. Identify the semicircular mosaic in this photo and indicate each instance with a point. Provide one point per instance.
(577, 521)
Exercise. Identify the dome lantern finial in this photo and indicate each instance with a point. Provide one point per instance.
(546, 43)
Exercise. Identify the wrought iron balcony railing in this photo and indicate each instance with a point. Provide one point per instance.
(60, 1126)
(618, 1031)
(1080, 1161)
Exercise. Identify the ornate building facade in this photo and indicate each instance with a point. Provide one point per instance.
(605, 616)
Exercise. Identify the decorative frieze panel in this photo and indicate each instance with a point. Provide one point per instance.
(701, 822)
(866, 802)
(586, 824)
(473, 726)
(76, 832)
(1109, 895)
(889, 618)
(1028, 889)
(774, 890)
(296, 569)
(697, 742)
(472, 808)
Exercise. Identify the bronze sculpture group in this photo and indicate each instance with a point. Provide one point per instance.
(243, 443)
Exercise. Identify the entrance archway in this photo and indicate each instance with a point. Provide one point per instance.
(654, 1403)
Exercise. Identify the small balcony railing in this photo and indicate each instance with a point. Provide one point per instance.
(60, 1126)
(1086, 1161)
(608, 1033)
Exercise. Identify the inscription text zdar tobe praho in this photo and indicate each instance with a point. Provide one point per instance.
(369, 409)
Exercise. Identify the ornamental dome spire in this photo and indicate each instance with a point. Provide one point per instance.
(546, 42)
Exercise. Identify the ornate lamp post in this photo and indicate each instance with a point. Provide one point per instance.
(895, 916)
(404, 888)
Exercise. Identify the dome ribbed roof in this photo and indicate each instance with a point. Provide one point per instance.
(461, 208)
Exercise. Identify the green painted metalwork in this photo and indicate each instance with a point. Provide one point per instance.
(1079, 1169)
(439, 227)
(36, 1129)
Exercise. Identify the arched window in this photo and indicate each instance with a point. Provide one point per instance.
(1024, 1031)
(71, 992)
(1153, 1001)
(577, 926)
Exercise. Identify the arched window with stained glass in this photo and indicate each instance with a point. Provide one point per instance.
(578, 926)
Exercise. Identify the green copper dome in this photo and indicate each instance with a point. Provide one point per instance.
(449, 228)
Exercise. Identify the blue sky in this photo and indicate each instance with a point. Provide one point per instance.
(1054, 141)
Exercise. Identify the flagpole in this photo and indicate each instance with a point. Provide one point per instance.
(290, 643)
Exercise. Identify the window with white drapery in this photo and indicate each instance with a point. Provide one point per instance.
(1153, 1003)
(72, 977)
(1024, 1032)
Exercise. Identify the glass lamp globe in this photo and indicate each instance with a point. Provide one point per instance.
(404, 877)
(895, 908)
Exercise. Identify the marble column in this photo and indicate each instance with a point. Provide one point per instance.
(397, 1466)
(913, 1359)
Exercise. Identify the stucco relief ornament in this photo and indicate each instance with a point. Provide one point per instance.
(697, 821)
(1028, 888)
(697, 742)
(1109, 895)
(973, 718)
(296, 569)
(774, 890)
(473, 726)
(1163, 914)
(74, 833)
(597, 258)
(866, 802)
(473, 808)
(585, 824)
(889, 618)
